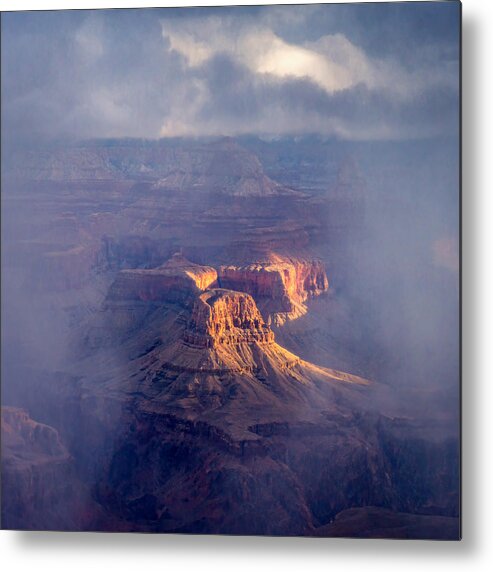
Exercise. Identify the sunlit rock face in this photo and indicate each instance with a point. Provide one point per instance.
(281, 286)
(175, 280)
(226, 317)
(182, 410)
(105, 208)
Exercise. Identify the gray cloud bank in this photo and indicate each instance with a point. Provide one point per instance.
(375, 71)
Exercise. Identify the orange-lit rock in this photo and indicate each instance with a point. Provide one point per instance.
(226, 317)
(280, 286)
(175, 280)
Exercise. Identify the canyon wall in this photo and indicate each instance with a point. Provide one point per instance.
(280, 287)
(226, 317)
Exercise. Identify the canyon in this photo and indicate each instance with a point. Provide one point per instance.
(179, 357)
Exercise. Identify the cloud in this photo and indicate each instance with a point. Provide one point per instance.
(261, 50)
(89, 38)
(278, 70)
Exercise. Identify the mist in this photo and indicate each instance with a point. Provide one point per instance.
(127, 136)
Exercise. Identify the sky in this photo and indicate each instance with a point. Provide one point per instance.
(352, 71)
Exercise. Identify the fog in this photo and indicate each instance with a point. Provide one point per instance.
(396, 270)
(313, 92)
(403, 274)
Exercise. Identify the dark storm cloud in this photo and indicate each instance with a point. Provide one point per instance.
(84, 74)
(359, 71)
(240, 97)
(398, 27)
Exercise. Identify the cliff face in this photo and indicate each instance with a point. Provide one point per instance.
(175, 280)
(40, 489)
(280, 287)
(184, 411)
(225, 334)
(223, 166)
(226, 317)
(127, 206)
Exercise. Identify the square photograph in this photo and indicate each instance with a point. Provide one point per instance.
(230, 255)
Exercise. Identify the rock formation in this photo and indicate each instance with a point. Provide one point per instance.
(222, 165)
(40, 488)
(280, 286)
(225, 317)
(181, 409)
(175, 280)
(226, 335)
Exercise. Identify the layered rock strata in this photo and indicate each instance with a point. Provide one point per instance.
(280, 287)
(226, 317)
(174, 281)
